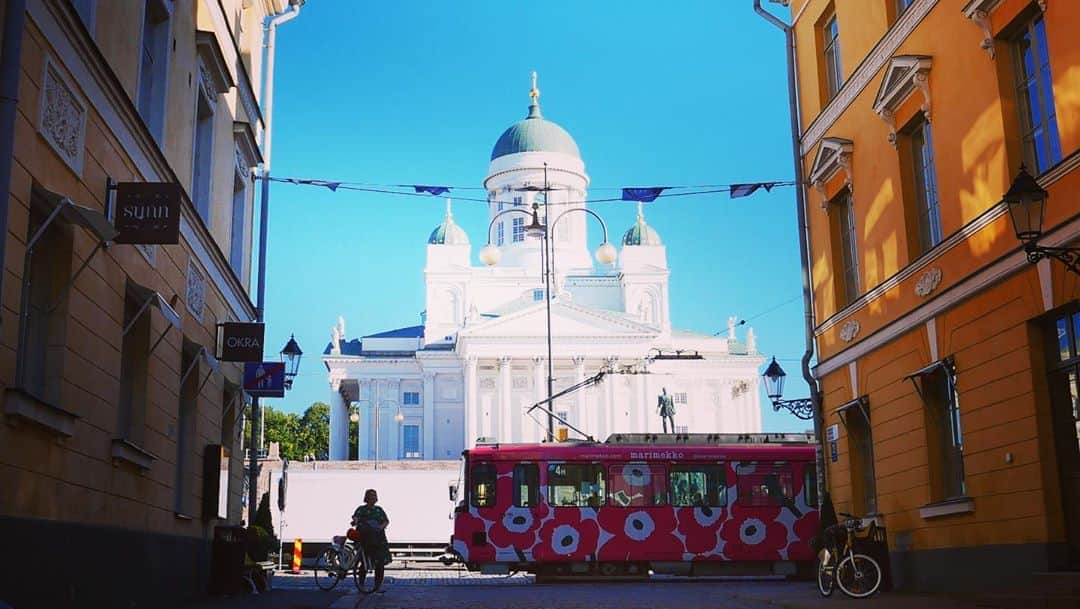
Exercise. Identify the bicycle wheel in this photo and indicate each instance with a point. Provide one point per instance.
(826, 572)
(858, 575)
(360, 572)
(328, 569)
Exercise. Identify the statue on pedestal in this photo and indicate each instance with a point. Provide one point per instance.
(667, 409)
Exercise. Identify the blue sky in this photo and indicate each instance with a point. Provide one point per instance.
(417, 92)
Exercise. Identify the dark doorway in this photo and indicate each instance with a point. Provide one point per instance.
(1064, 385)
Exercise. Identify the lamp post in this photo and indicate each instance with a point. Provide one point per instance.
(291, 354)
(802, 408)
(490, 254)
(1026, 202)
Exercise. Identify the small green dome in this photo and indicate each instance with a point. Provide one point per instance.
(448, 233)
(535, 134)
(641, 233)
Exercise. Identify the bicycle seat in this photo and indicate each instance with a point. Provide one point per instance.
(846, 515)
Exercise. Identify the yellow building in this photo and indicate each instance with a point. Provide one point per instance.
(116, 416)
(949, 365)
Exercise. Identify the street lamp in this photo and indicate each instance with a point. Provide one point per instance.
(490, 255)
(774, 375)
(1026, 202)
(291, 354)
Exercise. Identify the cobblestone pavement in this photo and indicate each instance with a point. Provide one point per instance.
(452, 589)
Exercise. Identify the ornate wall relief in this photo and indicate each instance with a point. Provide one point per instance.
(849, 330)
(928, 282)
(62, 119)
(196, 290)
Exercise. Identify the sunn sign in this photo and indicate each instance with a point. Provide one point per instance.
(602, 510)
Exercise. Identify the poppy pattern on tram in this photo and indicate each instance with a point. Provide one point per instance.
(621, 530)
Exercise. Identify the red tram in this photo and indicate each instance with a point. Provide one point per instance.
(690, 504)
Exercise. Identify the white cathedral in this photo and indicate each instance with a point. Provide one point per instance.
(479, 360)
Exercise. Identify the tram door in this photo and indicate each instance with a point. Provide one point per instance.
(1064, 384)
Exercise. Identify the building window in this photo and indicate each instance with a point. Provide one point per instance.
(239, 219)
(517, 201)
(526, 485)
(482, 486)
(203, 155)
(927, 207)
(153, 66)
(856, 418)
(86, 10)
(944, 438)
(902, 5)
(500, 233)
(830, 37)
(846, 254)
(411, 398)
(1064, 387)
(410, 440)
(50, 266)
(1035, 96)
(576, 485)
(538, 295)
(682, 429)
(679, 398)
(134, 360)
(185, 426)
(518, 230)
(698, 486)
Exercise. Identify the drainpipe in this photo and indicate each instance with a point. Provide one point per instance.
(269, 35)
(10, 66)
(804, 254)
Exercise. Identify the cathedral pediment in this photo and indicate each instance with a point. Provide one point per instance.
(567, 320)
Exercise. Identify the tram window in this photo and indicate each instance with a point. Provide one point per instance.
(810, 484)
(575, 485)
(636, 485)
(526, 485)
(483, 482)
(698, 485)
(764, 484)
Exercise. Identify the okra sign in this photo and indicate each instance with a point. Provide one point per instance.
(148, 213)
(240, 342)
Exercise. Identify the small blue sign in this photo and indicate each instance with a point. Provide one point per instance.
(834, 452)
(265, 379)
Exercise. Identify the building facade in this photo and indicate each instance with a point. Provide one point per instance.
(947, 361)
(479, 359)
(121, 440)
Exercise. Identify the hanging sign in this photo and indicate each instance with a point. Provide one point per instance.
(265, 379)
(148, 213)
(240, 341)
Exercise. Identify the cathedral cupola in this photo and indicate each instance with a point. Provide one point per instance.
(641, 233)
(448, 233)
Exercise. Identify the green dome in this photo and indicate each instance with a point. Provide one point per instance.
(534, 134)
(448, 233)
(641, 233)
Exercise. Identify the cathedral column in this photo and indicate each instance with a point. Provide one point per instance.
(363, 406)
(471, 404)
(429, 415)
(339, 419)
(540, 393)
(643, 400)
(609, 399)
(579, 401)
(506, 416)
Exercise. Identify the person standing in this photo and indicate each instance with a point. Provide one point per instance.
(372, 521)
(667, 409)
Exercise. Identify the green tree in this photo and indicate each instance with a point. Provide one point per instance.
(300, 435)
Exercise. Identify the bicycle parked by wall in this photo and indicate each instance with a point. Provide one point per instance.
(839, 564)
(345, 556)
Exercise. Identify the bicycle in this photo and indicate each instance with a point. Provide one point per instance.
(344, 556)
(858, 575)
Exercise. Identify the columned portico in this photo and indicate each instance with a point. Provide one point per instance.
(429, 415)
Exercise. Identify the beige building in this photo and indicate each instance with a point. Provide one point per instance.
(119, 425)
